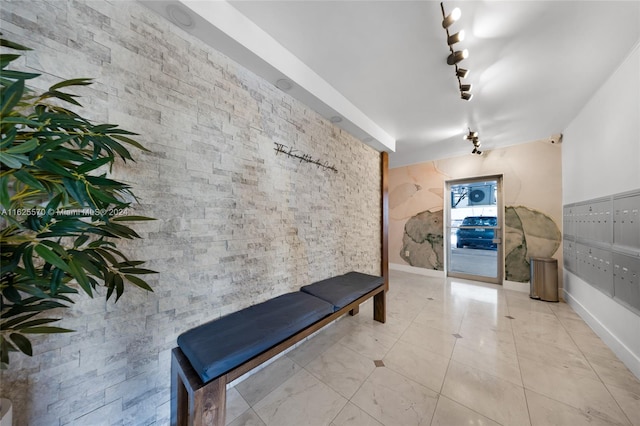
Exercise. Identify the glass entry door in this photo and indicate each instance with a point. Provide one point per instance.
(474, 229)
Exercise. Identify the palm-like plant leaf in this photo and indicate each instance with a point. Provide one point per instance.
(59, 224)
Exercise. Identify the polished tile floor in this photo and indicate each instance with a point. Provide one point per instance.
(451, 353)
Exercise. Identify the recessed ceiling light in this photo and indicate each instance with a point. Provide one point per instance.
(335, 119)
(284, 84)
(179, 16)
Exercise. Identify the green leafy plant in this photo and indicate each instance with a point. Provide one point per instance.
(61, 214)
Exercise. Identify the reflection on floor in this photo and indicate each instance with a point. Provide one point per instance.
(451, 353)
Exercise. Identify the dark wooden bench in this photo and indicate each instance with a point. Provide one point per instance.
(214, 354)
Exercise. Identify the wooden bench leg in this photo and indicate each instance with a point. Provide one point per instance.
(208, 405)
(379, 307)
(179, 396)
(354, 311)
(192, 402)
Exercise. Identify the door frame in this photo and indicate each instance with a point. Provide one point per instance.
(499, 230)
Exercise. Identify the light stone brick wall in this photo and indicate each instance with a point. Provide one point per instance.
(237, 224)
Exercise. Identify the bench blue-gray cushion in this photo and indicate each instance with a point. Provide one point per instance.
(344, 289)
(223, 344)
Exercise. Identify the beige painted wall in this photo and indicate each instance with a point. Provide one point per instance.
(532, 178)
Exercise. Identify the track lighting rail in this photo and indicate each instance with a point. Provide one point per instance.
(456, 56)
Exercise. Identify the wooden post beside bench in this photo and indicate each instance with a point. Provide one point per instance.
(195, 403)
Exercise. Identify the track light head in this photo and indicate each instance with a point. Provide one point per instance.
(466, 96)
(453, 39)
(451, 18)
(457, 56)
(470, 136)
(465, 87)
(462, 73)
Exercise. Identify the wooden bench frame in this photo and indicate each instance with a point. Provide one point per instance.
(194, 403)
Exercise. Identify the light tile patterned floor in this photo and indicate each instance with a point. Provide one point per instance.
(450, 356)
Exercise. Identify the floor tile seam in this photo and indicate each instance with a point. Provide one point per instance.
(521, 385)
(579, 409)
(576, 375)
(299, 364)
(281, 384)
(446, 371)
(307, 341)
(442, 394)
(471, 409)
(424, 348)
(347, 400)
(472, 346)
(405, 332)
(618, 403)
(390, 348)
(437, 396)
(547, 342)
(558, 347)
(524, 389)
(372, 371)
(438, 319)
(539, 392)
(406, 342)
(524, 392)
(609, 390)
(245, 401)
(300, 368)
(259, 416)
(569, 332)
(332, 388)
(624, 386)
(375, 329)
(350, 400)
(248, 403)
(433, 328)
(584, 355)
(414, 381)
(413, 317)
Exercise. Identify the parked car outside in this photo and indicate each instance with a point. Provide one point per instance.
(481, 236)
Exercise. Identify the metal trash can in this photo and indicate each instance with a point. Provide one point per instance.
(544, 279)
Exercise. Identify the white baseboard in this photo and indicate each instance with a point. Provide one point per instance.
(416, 270)
(626, 355)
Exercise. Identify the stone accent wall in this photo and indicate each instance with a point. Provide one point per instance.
(237, 224)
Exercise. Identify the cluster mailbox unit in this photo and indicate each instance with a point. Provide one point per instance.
(602, 245)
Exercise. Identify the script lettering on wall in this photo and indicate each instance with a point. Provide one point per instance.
(289, 151)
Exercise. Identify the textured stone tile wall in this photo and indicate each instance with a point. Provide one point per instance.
(237, 224)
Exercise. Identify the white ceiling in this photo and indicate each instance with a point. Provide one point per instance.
(533, 64)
